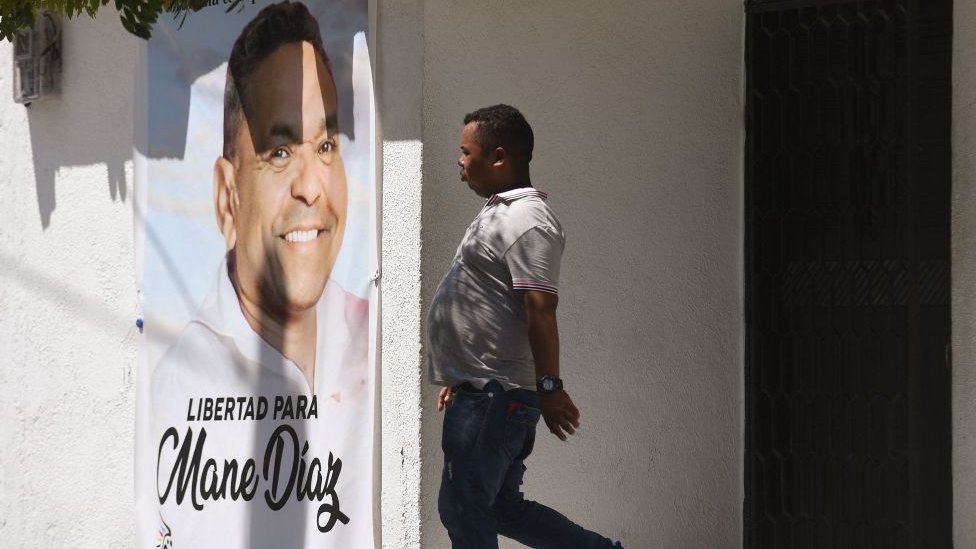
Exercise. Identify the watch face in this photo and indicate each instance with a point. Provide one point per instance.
(548, 384)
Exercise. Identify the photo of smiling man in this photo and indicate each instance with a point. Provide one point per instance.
(280, 185)
(260, 419)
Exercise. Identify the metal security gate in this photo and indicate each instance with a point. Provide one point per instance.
(847, 274)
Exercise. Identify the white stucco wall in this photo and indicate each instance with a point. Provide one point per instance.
(637, 113)
(964, 273)
(68, 299)
(399, 93)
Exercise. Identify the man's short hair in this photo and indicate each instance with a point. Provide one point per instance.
(503, 126)
(272, 27)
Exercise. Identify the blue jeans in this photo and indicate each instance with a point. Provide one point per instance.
(487, 436)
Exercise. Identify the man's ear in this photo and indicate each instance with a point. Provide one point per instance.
(225, 200)
(499, 156)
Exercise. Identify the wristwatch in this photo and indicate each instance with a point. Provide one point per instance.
(548, 385)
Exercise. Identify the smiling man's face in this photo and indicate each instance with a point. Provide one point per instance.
(288, 203)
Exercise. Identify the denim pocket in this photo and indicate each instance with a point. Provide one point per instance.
(520, 422)
(522, 413)
(464, 421)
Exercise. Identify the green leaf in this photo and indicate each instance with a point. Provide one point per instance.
(136, 16)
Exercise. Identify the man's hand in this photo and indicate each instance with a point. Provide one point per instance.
(444, 398)
(560, 413)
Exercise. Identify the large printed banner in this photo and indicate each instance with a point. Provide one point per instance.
(256, 248)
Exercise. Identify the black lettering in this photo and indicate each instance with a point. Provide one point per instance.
(214, 484)
(286, 466)
(187, 468)
(248, 485)
(209, 482)
(229, 476)
(275, 453)
(332, 509)
(229, 411)
(301, 491)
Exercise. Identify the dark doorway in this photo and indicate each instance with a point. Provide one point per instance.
(847, 274)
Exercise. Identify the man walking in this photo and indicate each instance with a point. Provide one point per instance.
(493, 344)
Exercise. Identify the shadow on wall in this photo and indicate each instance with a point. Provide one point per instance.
(90, 123)
(74, 133)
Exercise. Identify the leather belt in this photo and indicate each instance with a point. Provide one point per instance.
(469, 388)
